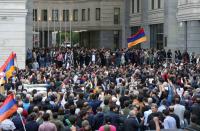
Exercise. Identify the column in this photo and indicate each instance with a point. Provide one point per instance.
(125, 23)
(145, 25)
(170, 25)
(13, 30)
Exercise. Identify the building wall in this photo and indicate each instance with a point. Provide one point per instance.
(188, 18)
(29, 24)
(13, 30)
(181, 20)
(145, 16)
(105, 24)
(170, 25)
(152, 16)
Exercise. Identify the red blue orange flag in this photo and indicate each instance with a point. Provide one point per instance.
(137, 38)
(8, 67)
(8, 107)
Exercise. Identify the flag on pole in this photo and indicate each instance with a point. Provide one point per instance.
(8, 67)
(8, 107)
(137, 38)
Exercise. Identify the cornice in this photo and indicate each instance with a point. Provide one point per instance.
(13, 12)
(13, 1)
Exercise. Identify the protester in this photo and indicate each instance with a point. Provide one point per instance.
(101, 89)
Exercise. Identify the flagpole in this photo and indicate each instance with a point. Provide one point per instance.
(22, 121)
(16, 63)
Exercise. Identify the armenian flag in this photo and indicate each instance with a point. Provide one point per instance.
(8, 67)
(137, 38)
(8, 107)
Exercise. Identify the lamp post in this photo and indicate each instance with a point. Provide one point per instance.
(70, 25)
(60, 30)
(38, 32)
(42, 35)
(186, 36)
(65, 25)
(33, 28)
(49, 19)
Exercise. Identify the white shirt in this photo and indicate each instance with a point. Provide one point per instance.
(180, 110)
(146, 115)
(180, 91)
(75, 78)
(169, 123)
(7, 125)
(161, 108)
(35, 65)
(93, 57)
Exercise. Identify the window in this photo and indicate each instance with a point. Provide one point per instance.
(138, 5)
(83, 14)
(156, 36)
(34, 14)
(54, 15)
(44, 15)
(98, 13)
(133, 6)
(116, 15)
(152, 4)
(88, 14)
(65, 15)
(116, 39)
(159, 4)
(75, 15)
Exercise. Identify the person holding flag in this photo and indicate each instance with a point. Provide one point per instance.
(7, 69)
(137, 38)
(8, 108)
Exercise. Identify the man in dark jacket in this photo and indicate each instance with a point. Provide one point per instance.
(115, 117)
(196, 108)
(132, 123)
(31, 124)
(98, 119)
(94, 103)
(154, 113)
(18, 123)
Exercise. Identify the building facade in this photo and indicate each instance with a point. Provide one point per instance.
(169, 24)
(188, 18)
(97, 21)
(15, 33)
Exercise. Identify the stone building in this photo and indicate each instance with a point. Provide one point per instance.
(15, 29)
(107, 23)
(99, 22)
(169, 24)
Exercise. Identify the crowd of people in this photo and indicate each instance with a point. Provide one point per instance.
(100, 89)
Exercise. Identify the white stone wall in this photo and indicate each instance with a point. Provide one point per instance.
(13, 30)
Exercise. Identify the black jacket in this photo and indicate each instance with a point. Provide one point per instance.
(98, 121)
(131, 124)
(32, 126)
